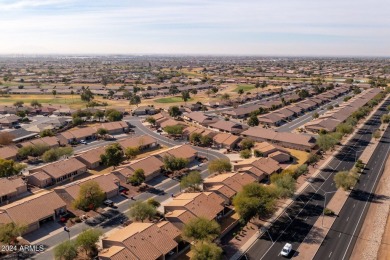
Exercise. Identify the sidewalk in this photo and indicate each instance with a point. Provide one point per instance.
(310, 245)
(364, 157)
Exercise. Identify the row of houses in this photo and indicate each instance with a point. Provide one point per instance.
(331, 119)
(278, 117)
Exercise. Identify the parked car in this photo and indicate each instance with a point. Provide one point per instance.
(109, 203)
(83, 142)
(286, 249)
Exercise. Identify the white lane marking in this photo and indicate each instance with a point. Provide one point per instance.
(294, 234)
(340, 234)
(330, 254)
(306, 218)
(347, 219)
(365, 204)
(354, 205)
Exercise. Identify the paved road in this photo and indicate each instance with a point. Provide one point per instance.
(342, 237)
(307, 117)
(163, 188)
(298, 219)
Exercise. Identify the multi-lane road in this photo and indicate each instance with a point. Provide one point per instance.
(298, 219)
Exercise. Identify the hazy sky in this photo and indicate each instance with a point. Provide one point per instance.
(260, 27)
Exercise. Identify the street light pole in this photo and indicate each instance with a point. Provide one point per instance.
(67, 230)
(323, 210)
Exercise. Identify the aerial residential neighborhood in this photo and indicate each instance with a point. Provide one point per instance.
(208, 130)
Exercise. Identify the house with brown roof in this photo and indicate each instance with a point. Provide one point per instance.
(107, 182)
(273, 151)
(259, 168)
(147, 241)
(50, 141)
(9, 152)
(91, 158)
(203, 204)
(61, 171)
(143, 142)
(114, 128)
(151, 165)
(271, 119)
(11, 189)
(77, 134)
(182, 151)
(228, 126)
(225, 140)
(200, 118)
(35, 210)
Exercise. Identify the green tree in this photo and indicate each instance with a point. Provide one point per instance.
(18, 104)
(102, 131)
(172, 163)
(55, 154)
(240, 91)
(185, 95)
(206, 140)
(193, 180)
(247, 144)
(135, 100)
(151, 120)
(326, 142)
(195, 138)
(201, 229)
(285, 184)
(344, 128)
(313, 158)
(174, 129)
(140, 211)
(225, 97)
(87, 240)
(254, 200)
(10, 231)
(113, 155)
(206, 251)
(385, 119)
(137, 178)
(35, 104)
(174, 111)
(90, 197)
(316, 115)
(46, 132)
(258, 153)
(132, 152)
(219, 166)
(376, 134)
(66, 251)
(33, 150)
(153, 202)
(86, 95)
(113, 115)
(77, 121)
(345, 180)
(98, 115)
(253, 121)
(245, 154)
(302, 169)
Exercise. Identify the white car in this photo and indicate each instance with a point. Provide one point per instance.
(286, 249)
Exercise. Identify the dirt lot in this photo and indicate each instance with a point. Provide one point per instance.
(374, 238)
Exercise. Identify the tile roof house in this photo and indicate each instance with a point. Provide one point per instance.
(50, 141)
(61, 171)
(107, 182)
(8, 152)
(260, 168)
(205, 204)
(113, 128)
(77, 134)
(91, 158)
(34, 210)
(151, 165)
(11, 189)
(183, 151)
(142, 142)
(225, 140)
(147, 241)
(228, 126)
(200, 118)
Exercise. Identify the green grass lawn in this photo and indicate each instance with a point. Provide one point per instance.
(245, 87)
(171, 100)
(43, 99)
